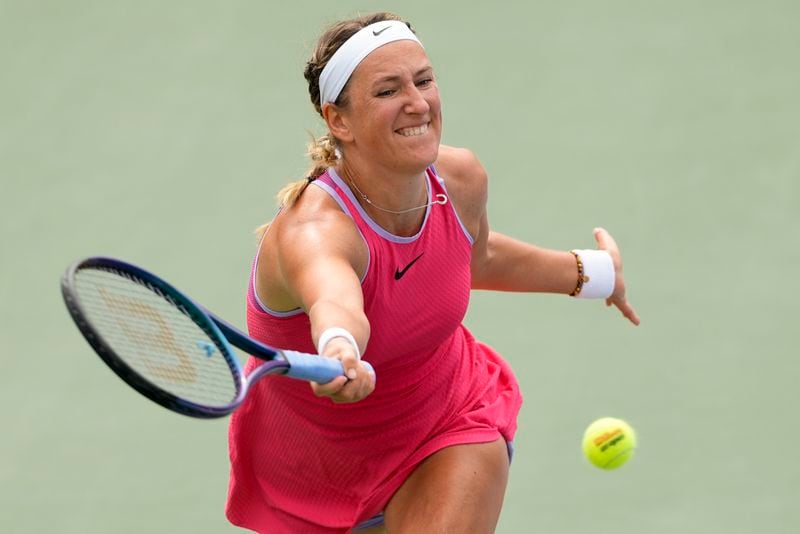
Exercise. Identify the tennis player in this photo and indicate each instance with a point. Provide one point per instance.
(373, 256)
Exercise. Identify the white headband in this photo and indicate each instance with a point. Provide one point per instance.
(345, 60)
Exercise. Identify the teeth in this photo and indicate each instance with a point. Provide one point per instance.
(419, 130)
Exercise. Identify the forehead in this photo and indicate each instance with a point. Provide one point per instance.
(392, 59)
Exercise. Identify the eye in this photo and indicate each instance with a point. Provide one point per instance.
(425, 82)
(386, 92)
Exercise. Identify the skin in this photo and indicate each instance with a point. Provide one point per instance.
(460, 488)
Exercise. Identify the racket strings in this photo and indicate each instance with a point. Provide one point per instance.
(157, 337)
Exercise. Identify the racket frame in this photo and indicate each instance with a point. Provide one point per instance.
(295, 364)
(186, 305)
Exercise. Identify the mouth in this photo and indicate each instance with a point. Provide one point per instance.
(413, 130)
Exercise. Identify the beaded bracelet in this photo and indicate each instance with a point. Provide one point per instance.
(582, 279)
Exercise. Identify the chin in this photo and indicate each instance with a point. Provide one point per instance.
(418, 153)
(422, 159)
(426, 153)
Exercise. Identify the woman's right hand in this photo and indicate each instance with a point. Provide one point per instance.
(357, 382)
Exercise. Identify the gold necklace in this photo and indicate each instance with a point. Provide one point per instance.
(440, 199)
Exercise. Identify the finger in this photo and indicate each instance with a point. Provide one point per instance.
(371, 374)
(353, 391)
(628, 311)
(342, 350)
(350, 365)
(331, 388)
(359, 388)
(633, 317)
(362, 385)
(604, 239)
(367, 382)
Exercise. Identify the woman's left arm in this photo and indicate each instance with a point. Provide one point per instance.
(502, 263)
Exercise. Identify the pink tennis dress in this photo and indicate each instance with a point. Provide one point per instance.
(300, 463)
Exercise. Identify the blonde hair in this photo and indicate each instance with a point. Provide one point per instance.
(323, 150)
(323, 154)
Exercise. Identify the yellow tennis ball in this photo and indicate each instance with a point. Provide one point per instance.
(608, 442)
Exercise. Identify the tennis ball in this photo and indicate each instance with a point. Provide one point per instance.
(608, 443)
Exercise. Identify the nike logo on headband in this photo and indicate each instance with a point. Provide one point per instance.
(377, 33)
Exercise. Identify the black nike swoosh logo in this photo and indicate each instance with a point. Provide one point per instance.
(398, 274)
(377, 33)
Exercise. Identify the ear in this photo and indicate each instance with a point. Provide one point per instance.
(337, 122)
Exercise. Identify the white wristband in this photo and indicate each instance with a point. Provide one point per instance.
(598, 274)
(333, 332)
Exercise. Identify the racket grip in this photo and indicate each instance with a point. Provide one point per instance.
(314, 367)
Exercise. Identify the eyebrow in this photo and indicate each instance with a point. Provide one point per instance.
(394, 77)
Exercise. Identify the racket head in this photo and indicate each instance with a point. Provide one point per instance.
(154, 337)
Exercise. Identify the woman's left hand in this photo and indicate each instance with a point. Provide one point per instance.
(617, 298)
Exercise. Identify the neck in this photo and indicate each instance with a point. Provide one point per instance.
(396, 202)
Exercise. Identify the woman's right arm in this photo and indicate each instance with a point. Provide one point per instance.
(320, 257)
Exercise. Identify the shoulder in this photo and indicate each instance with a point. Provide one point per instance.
(459, 164)
(313, 230)
(316, 222)
(466, 181)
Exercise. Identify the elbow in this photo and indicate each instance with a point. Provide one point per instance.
(480, 272)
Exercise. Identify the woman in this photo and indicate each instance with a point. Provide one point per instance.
(375, 254)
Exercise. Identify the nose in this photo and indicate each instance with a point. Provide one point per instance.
(416, 103)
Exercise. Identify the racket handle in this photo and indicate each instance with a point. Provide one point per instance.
(314, 367)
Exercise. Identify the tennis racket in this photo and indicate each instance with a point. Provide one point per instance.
(169, 348)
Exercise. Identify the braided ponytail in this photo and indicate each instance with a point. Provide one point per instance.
(322, 153)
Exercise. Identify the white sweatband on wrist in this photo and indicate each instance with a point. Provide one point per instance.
(333, 332)
(345, 60)
(598, 274)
